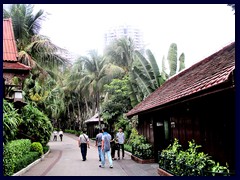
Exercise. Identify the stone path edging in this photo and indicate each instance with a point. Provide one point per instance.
(22, 171)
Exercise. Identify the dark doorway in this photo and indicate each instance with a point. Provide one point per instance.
(161, 136)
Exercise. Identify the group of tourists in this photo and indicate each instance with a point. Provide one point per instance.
(107, 145)
(55, 134)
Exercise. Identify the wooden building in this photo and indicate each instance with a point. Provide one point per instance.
(12, 68)
(199, 104)
(93, 126)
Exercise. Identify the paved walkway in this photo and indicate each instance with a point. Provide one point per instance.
(65, 160)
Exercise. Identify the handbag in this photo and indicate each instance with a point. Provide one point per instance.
(85, 137)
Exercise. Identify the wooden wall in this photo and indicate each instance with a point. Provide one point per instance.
(209, 120)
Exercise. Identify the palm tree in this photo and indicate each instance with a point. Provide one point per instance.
(93, 72)
(121, 52)
(34, 49)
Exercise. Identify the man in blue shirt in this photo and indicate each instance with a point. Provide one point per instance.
(106, 138)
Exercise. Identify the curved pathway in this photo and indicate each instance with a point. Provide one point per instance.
(65, 160)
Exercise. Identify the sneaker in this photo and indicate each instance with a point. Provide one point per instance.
(101, 166)
(111, 166)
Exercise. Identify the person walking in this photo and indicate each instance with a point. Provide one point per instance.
(114, 146)
(120, 138)
(106, 138)
(99, 143)
(83, 143)
(60, 134)
(55, 133)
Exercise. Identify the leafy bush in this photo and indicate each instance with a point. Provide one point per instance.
(140, 147)
(11, 121)
(190, 162)
(25, 160)
(143, 151)
(35, 126)
(172, 151)
(136, 139)
(45, 149)
(13, 151)
(77, 133)
(127, 147)
(37, 147)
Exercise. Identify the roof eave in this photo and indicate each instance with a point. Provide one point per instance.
(221, 86)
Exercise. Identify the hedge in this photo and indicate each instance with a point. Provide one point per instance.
(12, 152)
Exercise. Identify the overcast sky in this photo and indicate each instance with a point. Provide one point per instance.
(198, 30)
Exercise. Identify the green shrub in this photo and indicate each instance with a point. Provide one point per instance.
(77, 133)
(45, 149)
(13, 151)
(127, 147)
(36, 125)
(140, 147)
(136, 139)
(189, 162)
(11, 121)
(25, 160)
(37, 147)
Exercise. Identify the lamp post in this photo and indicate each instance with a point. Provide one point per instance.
(18, 95)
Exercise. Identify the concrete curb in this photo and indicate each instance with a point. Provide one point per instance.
(22, 171)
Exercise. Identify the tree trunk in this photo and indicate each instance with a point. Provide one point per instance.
(79, 116)
(98, 109)
(74, 120)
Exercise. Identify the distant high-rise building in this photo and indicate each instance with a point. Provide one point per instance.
(125, 31)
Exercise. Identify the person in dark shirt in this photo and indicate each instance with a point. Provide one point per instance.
(99, 143)
(114, 146)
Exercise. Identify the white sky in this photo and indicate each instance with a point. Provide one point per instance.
(198, 30)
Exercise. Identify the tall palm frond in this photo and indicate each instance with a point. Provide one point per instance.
(145, 81)
(147, 71)
(181, 62)
(172, 59)
(120, 52)
(154, 67)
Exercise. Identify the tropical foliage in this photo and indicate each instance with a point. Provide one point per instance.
(63, 95)
(35, 125)
(117, 101)
(11, 121)
(140, 147)
(189, 162)
(172, 60)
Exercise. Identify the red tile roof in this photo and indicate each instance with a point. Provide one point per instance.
(9, 45)
(207, 73)
(10, 53)
(15, 66)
